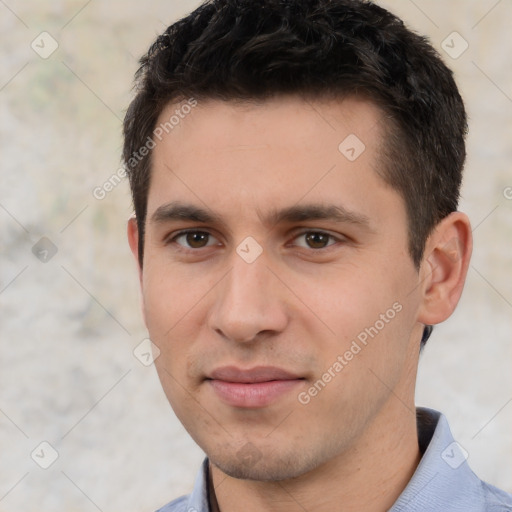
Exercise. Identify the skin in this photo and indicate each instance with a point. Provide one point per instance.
(298, 306)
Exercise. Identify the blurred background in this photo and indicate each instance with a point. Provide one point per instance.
(84, 424)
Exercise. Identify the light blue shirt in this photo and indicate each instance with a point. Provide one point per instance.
(442, 482)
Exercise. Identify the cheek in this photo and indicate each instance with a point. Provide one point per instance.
(370, 316)
(347, 301)
(175, 306)
(165, 309)
(168, 296)
(171, 306)
(364, 360)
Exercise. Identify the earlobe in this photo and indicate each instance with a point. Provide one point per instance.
(444, 268)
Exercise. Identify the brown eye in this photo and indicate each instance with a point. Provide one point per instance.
(315, 240)
(193, 239)
(196, 239)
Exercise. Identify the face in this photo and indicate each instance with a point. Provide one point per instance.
(277, 282)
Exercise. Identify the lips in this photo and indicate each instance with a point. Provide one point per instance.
(252, 375)
(254, 387)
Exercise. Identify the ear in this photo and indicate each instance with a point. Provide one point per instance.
(444, 268)
(133, 240)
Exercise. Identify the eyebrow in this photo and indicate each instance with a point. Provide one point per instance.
(177, 210)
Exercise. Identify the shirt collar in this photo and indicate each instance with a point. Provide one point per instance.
(443, 480)
(198, 499)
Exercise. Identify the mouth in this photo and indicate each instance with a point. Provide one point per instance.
(253, 387)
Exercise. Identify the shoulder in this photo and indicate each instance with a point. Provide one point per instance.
(177, 505)
(197, 501)
(496, 500)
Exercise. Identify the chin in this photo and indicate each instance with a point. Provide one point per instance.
(265, 465)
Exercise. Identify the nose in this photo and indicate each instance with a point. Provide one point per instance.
(250, 302)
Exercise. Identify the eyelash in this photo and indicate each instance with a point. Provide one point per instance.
(302, 233)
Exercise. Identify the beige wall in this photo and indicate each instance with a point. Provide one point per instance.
(68, 326)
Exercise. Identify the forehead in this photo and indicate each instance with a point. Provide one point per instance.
(240, 156)
(298, 121)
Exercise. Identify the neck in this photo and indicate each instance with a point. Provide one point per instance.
(370, 476)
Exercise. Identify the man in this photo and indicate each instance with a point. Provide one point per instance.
(295, 169)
